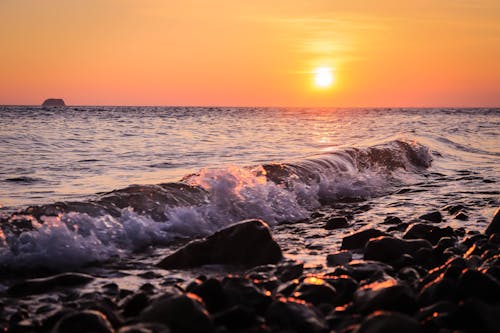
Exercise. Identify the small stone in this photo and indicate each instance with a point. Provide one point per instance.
(289, 272)
(359, 239)
(237, 317)
(337, 223)
(295, 316)
(316, 291)
(389, 249)
(425, 231)
(389, 322)
(392, 220)
(385, 295)
(83, 322)
(339, 258)
(133, 305)
(461, 216)
(435, 217)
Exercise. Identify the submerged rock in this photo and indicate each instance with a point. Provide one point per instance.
(247, 243)
(42, 285)
(435, 217)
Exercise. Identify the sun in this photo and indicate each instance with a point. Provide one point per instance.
(323, 77)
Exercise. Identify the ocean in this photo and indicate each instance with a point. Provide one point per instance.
(117, 185)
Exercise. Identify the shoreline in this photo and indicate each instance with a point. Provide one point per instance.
(419, 277)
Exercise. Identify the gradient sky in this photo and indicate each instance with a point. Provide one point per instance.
(250, 53)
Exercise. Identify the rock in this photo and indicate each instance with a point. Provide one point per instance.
(83, 322)
(461, 216)
(364, 269)
(181, 313)
(385, 295)
(237, 318)
(338, 258)
(435, 217)
(316, 291)
(392, 220)
(345, 287)
(494, 226)
(247, 243)
(289, 271)
(425, 231)
(42, 285)
(453, 209)
(476, 284)
(134, 304)
(53, 102)
(359, 239)
(389, 249)
(212, 294)
(337, 223)
(144, 328)
(389, 322)
(295, 316)
(475, 316)
(241, 291)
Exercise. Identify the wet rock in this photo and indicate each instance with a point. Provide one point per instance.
(473, 283)
(345, 287)
(461, 216)
(365, 269)
(134, 304)
(392, 220)
(338, 258)
(385, 295)
(241, 291)
(494, 226)
(435, 217)
(389, 249)
(144, 328)
(181, 313)
(42, 285)
(316, 291)
(359, 239)
(429, 232)
(237, 318)
(83, 322)
(475, 316)
(247, 243)
(289, 272)
(453, 209)
(389, 322)
(212, 294)
(296, 316)
(337, 223)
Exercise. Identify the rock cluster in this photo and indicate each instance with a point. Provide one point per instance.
(431, 280)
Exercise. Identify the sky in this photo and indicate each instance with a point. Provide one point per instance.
(384, 53)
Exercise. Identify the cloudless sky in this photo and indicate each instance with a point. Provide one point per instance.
(250, 53)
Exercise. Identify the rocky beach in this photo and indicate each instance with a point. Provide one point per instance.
(399, 277)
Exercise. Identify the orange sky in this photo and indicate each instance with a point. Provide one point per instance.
(250, 53)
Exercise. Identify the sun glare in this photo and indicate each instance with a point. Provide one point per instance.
(323, 77)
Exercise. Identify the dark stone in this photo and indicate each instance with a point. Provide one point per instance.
(337, 223)
(42, 285)
(392, 220)
(359, 239)
(212, 294)
(289, 272)
(435, 217)
(475, 316)
(247, 243)
(237, 318)
(145, 328)
(53, 102)
(364, 269)
(134, 304)
(241, 291)
(453, 209)
(338, 258)
(295, 316)
(316, 291)
(83, 322)
(345, 287)
(494, 226)
(425, 231)
(181, 313)
(389, 322)
(385, 295)
(461, 216)
(476, 284)
(389, 249)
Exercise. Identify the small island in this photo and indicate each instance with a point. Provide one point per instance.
(54, 102)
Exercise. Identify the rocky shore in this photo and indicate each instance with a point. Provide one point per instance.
(428, 279)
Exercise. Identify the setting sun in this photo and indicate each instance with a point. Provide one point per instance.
(323, 77)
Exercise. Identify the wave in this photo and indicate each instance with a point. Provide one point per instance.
(69, 234)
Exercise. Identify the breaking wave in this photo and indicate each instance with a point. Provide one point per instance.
(71, 234)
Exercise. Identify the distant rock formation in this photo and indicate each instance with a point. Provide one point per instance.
(54, 102)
